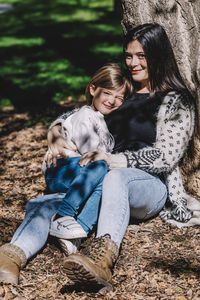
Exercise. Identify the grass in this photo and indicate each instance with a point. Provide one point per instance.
(50, 49)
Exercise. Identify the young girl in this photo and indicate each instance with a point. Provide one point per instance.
(85, 130)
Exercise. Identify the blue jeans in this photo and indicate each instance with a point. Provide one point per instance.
(125, 192)
(81, 184)
(33, 232)
(128, 192)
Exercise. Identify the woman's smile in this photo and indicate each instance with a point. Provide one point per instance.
(135, 71)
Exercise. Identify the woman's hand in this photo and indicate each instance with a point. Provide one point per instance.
(93, 156)
(56, 145)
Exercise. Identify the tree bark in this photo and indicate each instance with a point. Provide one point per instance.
(181, 20)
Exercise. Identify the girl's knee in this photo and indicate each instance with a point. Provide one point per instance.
(100, 165)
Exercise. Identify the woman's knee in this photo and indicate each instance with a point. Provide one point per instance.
(127, 175)
(114, 178)
(151, 203)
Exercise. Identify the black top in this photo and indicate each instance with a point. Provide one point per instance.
(133, 125)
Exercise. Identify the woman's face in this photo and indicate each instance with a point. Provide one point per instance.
(136, 63)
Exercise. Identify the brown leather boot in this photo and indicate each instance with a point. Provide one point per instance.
(95, 267)
(12, 258)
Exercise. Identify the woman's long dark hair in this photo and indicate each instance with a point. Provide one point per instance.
(163, 71)
(164, 75)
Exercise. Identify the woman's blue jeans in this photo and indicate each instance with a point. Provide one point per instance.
(82, 185)
(125, 192)
(128, 192)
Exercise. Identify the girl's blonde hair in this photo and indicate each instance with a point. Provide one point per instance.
(111, 76)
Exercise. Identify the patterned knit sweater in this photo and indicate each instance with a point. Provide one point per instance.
(174, 129)
(175, 126)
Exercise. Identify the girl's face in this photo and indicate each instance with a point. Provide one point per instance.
(137, 64)
(106, 100)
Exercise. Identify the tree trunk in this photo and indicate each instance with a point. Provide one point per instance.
(181, 20)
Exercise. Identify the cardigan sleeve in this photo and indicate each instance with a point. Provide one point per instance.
(62, 118)
(175, 125)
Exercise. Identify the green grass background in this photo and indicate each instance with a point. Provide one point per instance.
(50, 48)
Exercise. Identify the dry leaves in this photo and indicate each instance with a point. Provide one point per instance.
(156, 260)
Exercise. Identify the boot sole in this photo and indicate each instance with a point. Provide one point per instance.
(82, 273)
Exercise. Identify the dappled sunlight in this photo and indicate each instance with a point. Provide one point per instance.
(49, 50)
(25, 42)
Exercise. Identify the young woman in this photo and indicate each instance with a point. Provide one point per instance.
(148, 152)
(85, 130)
(152, 131)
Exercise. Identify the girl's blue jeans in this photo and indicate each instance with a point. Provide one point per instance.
(82, 185)
(125, 192)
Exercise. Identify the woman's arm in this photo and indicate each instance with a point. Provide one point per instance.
(56, 145)
(56, 142)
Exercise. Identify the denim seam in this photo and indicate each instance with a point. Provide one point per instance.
(123, 216)
(120, 224)
(143, 179)
(158, 203)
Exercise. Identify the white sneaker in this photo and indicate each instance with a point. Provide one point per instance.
(66, 228)
(69, 247)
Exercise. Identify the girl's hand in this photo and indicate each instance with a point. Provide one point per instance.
(56, 145)
(93, 156)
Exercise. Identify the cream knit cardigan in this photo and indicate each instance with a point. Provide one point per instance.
(175, 127)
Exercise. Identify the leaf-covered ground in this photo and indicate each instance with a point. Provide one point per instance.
(156, 260)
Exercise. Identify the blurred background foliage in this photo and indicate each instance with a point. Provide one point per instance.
(49, 49)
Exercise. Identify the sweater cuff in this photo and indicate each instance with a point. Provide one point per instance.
(117, 161)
